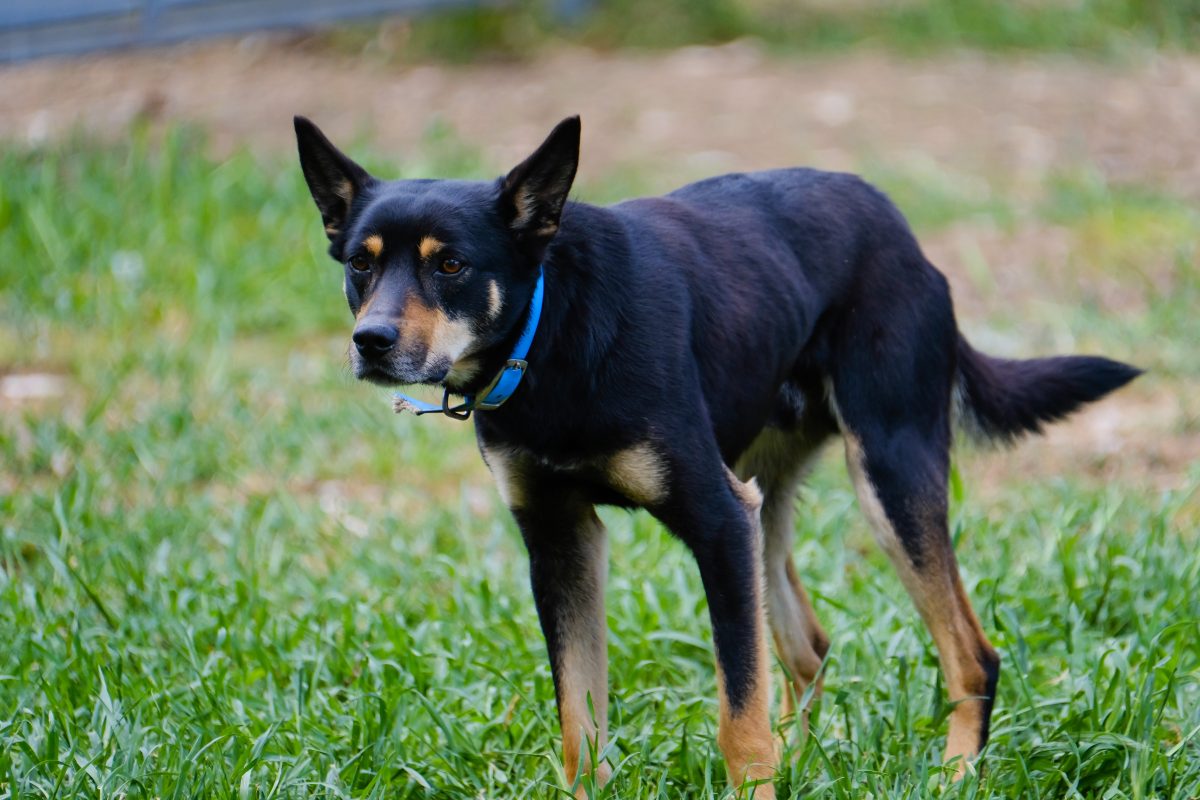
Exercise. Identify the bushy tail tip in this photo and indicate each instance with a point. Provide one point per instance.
(1003, 399)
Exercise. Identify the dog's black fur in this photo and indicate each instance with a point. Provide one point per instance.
(678, 329)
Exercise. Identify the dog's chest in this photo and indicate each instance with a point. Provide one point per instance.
(637, 473)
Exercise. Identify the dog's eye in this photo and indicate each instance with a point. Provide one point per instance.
(359, 264)
(450, 266)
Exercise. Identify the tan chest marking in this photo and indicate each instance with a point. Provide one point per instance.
(506, 468)
(639, 473)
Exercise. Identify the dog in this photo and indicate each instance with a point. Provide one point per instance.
(690, 354)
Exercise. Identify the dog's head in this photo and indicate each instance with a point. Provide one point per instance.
(437, 271)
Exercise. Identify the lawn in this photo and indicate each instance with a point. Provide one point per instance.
(228, 570)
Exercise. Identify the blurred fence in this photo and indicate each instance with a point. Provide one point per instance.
(31, 28)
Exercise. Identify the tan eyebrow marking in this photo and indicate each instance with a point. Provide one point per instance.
(428, 246)
(374, 244)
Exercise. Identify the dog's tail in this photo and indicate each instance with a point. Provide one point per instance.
(1003, 399)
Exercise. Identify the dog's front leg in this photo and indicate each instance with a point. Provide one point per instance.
(717, 516)
(568, 564)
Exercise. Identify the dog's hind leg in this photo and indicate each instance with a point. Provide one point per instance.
(568, 565)
(907, 512)
(779, 459)
(899, 463)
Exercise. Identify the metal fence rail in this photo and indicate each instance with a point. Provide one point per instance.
(31, 28)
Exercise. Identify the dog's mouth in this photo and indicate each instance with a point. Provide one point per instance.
(378, 376)
(382, 374)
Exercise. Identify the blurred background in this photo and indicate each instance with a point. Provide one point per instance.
(1045, 151)
(225, 564)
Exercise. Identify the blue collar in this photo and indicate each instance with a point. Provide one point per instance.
(502, 386)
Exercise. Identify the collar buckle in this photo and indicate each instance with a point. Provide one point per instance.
(502, 387)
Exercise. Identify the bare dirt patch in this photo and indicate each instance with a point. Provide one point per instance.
(695, 109)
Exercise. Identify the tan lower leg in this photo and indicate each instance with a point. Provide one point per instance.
(799, 639)
(583, 670)
(937, 591)
(745, 737)
(582, 732)
(961, 645)
(962, 648)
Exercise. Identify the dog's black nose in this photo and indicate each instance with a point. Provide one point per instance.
(373, 341)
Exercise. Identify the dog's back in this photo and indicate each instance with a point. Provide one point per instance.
(778, 277)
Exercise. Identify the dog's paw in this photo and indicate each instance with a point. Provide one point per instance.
(602, 774)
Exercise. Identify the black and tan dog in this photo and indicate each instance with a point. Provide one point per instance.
(694, 352)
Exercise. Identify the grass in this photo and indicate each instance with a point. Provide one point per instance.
(226, 570)
(1105, 28)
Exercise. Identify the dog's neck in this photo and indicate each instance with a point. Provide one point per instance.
(585, 281)
(488, 363)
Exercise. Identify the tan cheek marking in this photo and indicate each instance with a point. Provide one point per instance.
(418, 323)
(639, 473)
(495, 300)
(450, 339)
(374, 244)
(428, 246)
(441, 336)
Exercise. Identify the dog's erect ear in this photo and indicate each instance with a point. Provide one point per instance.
(332, 177)
(534, 193)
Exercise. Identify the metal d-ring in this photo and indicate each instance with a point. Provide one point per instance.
(457, 412)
